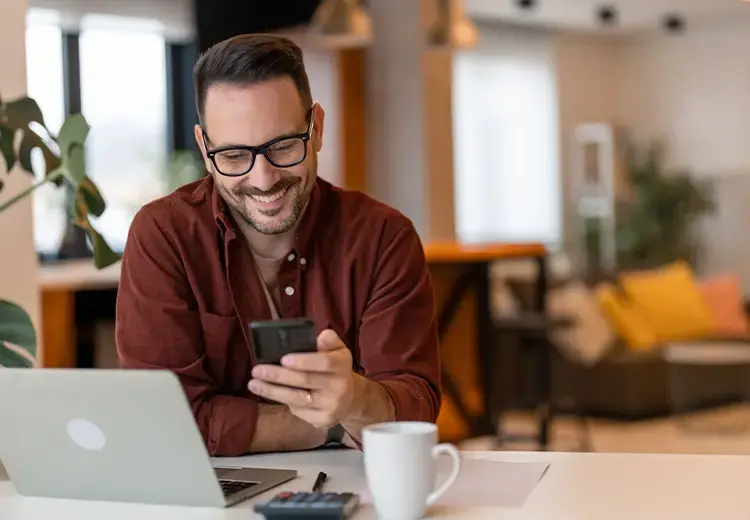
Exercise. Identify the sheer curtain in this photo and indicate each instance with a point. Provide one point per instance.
(506, 140)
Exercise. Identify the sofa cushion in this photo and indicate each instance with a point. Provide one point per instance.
(723, 295)
(590, 337)
(626, 319)
(669, 301)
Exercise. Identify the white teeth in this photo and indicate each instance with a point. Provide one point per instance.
(266, 199)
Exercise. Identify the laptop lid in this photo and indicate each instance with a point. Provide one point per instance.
(115, 435)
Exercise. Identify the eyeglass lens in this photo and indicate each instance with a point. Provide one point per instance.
(282, 154)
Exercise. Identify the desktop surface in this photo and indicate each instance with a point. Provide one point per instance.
(576, 485)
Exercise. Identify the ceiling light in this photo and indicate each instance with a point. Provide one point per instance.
(342, 23)
(674, 23)
(526, 4)
(452, 27)
(607, 15)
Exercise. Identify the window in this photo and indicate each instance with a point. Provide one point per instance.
(507, 176)
(124, 99)
(44, 74)
(123, 95)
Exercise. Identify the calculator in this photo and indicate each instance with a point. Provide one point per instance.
(309, 504)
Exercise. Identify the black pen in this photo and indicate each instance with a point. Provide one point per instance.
(319, 482)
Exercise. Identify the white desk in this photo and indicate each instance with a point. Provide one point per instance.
(575, 487)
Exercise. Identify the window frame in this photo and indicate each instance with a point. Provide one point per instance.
(181, 115)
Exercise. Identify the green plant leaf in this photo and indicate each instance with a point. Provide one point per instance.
(23, 111)
(75, 159)
(7, 134)
(103, 254)
(74, 131)
(17, 336)
(29, 142)
(93, 200)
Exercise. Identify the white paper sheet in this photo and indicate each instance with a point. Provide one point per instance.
(486, 483)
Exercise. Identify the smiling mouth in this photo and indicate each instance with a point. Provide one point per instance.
(268, 199)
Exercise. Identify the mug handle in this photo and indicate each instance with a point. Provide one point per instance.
(447, 449)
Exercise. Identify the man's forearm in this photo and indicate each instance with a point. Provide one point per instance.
(278, 429)
(372, 405)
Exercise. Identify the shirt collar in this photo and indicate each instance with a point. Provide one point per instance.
(306, 226)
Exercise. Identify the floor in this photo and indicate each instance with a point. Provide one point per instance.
(719, 431)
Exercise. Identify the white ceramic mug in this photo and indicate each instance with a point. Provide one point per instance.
(400, 467)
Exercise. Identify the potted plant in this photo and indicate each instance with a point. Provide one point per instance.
(657, 224)
(22, 130)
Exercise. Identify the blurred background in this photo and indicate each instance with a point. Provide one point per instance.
(578, 170)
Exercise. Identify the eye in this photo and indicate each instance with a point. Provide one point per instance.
(282, 147)
(235, 155)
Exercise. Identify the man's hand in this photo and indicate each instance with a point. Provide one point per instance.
(317, 387)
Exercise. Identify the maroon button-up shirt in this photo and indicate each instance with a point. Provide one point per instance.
(189, 290)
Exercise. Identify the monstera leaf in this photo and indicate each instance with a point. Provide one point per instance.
(64, 162)
(22, 130)
(17, 337)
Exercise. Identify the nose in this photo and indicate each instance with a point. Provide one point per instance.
(264, 174)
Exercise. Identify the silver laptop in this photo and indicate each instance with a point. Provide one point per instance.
(113, 435)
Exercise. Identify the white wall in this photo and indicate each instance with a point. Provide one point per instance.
(694, 91)
(691, 90)
(18, 263)
(587, 86)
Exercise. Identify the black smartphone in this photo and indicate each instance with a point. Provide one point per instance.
(273, 339)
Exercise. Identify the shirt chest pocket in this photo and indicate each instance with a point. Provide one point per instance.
(227, 356)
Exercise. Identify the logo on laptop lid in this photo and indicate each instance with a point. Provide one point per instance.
(86, 434)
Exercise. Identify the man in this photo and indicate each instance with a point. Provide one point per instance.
(263, 237)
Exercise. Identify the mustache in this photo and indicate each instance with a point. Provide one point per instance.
(281, 185)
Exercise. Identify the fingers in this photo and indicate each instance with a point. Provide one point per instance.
(312, 406)
(292, 397)
(328, 340)
(320, 362)
(332, 356)
(295, 378)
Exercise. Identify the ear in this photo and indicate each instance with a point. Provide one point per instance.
(318, 117)
(198, 131)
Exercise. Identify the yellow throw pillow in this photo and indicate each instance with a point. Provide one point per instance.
(627, 321)
(670, 301)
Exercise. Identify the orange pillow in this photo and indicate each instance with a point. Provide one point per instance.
(627, 321)
(723, 295)
(670, 303)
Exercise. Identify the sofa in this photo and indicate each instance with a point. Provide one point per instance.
(625, 382)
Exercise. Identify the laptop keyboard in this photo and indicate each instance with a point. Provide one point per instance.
(230, 487)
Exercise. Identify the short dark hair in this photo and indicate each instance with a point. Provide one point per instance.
(250, 58)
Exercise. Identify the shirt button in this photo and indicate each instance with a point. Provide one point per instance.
(289, 291)
(290, 258)
(302, 261)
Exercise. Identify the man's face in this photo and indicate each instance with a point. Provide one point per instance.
(270, 197)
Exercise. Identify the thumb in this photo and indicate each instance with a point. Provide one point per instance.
(328, 340)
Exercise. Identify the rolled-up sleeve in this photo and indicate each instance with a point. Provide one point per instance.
(398, 341)
(158, 327)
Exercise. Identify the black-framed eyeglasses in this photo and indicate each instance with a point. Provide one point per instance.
(282, 152)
